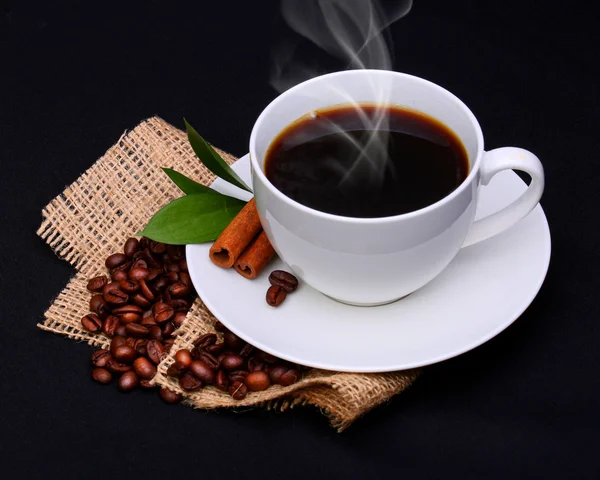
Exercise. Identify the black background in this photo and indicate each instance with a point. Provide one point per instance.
(75, 76)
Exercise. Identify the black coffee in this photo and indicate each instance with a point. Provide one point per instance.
(375, 161)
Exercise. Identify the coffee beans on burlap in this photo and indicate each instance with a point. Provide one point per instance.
(135, 348)
(147, 337)
(236, 362)
(112, 201)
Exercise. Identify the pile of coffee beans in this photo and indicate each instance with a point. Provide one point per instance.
(233, 366)
(141, 302)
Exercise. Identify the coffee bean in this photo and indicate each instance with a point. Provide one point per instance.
(178, 319)
(130, 247)
(238, 376)
(138, 263)
(206, 358)
(275, 373)
(183, 266)
(247, 350)
(109, 325)
(163, 312)
(180, 304)
(257, 381)
(115, 296)
(115, 366)
(155, 333)
(101, 375)
(155, 351)
(169, 396)
(147, 255)
(175, 252)
(184, 356)
(173, 277)
(118, 275)
(95, 284)
(148, 321)
(232, 362)
(99, 305)
(153, 274)
(233, 341)
(169, 268)
(91, 322)
(275, 295)
(115, 260)
(158, 247)
(130, 341)
(179, 290)
(161, 284)
(238, 390)
(100, 357)
(216, 349)
(289, 377)
(109, 287)
(165, 297)
(124, 354)
(146, 291)
(222, 381)
(124, 268)
(177, 369)
(138, 273)
(189, 382)
(140, 346)
(205, 340)
(255, 364)
(121, 331)
(128, 313)
(202, 371)
(136, 330)
(144, 368)
(127, 309)
(283, 279)
(128, 381)
(184, 278)
(168, 329)
(146, 385)
(140, 300)
(126, 318)
(129, 286)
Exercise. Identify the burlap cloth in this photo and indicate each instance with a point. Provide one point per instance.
(113, 200)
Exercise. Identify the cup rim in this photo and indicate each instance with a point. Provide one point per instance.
(258, 171)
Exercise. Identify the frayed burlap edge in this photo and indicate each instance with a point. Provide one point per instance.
(112, 201)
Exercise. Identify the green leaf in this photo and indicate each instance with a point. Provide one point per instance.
(187, 185)
(212, 160)
(194, 218)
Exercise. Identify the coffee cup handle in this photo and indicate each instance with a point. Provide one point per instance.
(493, 162)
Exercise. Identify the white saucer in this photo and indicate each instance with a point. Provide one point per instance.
(484, 289)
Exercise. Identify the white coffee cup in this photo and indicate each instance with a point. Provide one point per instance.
(373, 261)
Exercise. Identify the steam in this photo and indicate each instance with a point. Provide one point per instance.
(353, 31)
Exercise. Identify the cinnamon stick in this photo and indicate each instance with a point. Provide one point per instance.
(255, 257)
(236, 237)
